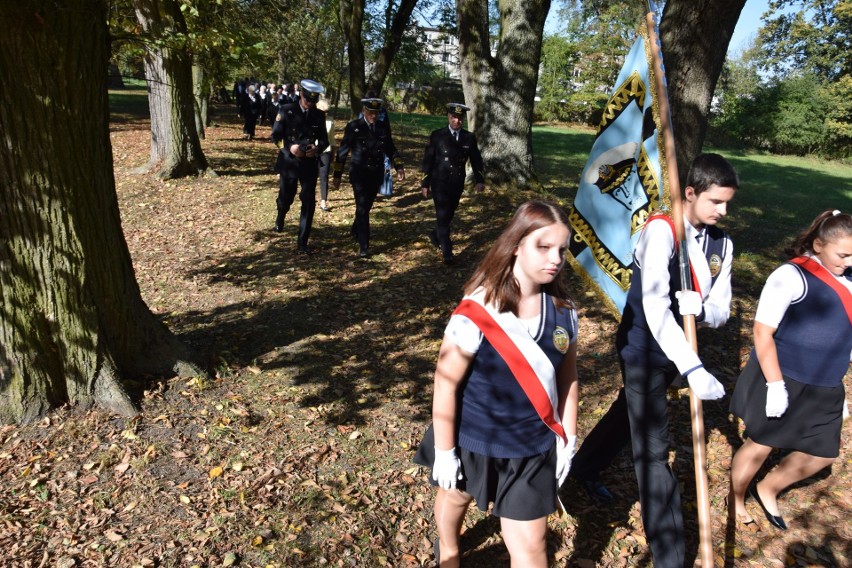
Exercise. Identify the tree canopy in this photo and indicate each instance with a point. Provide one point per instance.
(790, 91)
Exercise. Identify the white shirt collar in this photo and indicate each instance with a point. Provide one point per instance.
(691, 232)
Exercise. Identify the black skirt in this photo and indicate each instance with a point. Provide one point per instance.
(522, 489)
(811, 424)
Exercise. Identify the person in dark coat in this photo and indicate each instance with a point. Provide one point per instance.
(251, 108)
(263, 94)
(369, 141)
(300, 134)
(239, 90)
(273, 106)
(444, 162)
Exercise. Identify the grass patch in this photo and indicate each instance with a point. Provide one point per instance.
(129, 103)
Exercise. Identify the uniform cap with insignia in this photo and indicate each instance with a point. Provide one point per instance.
(311, 90)
(372, 104)
(457, 109)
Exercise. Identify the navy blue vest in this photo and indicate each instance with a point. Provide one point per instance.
(497, 418)
(814, 338)
(633, 340)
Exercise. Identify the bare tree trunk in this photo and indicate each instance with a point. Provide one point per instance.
(73, 324)
(351, 17)
(501, 88)
(175, 146)
(695, 35)
(352, 21)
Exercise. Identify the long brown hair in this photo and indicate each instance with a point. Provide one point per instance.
(494, 272)
(828, 226)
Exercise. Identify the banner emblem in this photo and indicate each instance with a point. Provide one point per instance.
(622, 183)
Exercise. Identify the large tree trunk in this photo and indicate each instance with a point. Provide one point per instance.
(175, 145)
(351, 17)
(695, 35)
(73, 325)
(351, 22)
(501, 88)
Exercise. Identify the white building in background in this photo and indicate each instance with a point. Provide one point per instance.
(442, 51)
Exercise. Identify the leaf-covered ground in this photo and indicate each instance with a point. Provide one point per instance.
(298, 451)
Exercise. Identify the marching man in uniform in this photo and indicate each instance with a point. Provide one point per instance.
(300, 134)
(444, 173)
(369, 141)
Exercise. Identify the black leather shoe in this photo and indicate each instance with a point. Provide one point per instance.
(364, 253)
(277, 228)
(305, 250)
(597, 491)
(449, 259)
(774, 520)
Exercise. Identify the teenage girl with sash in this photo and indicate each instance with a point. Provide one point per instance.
(790, 394)
(504, 413)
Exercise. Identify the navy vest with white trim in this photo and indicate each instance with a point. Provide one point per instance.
(634, 340)
(814, 338)
(497, 419)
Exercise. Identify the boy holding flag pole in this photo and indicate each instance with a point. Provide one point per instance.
(646, 262)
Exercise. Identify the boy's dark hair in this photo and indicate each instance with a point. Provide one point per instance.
(710, 169)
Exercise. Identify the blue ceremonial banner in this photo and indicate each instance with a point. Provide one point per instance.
(622, 183)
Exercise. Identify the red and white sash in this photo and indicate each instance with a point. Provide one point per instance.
(827, 277)
(696, 285)
(524, 357)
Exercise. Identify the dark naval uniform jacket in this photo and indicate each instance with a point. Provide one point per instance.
(445, 159)
(368, 148)
(294, 126)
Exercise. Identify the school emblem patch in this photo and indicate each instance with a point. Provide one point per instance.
(715, 263)
(561, 339)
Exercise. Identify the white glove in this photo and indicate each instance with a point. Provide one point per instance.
(704, 385)
(564, 453)
(776, 399)
(447, 468)
(689, 303)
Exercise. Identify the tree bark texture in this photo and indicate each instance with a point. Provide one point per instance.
(351, 18)
(694, 35)
(351, 22)
(175, 145)
(500, 88)
(73, 324)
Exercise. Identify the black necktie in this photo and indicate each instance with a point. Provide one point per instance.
(456, 135)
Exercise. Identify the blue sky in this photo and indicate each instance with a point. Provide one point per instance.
(747, 25)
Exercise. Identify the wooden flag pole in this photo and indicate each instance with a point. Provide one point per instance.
(697, 414)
